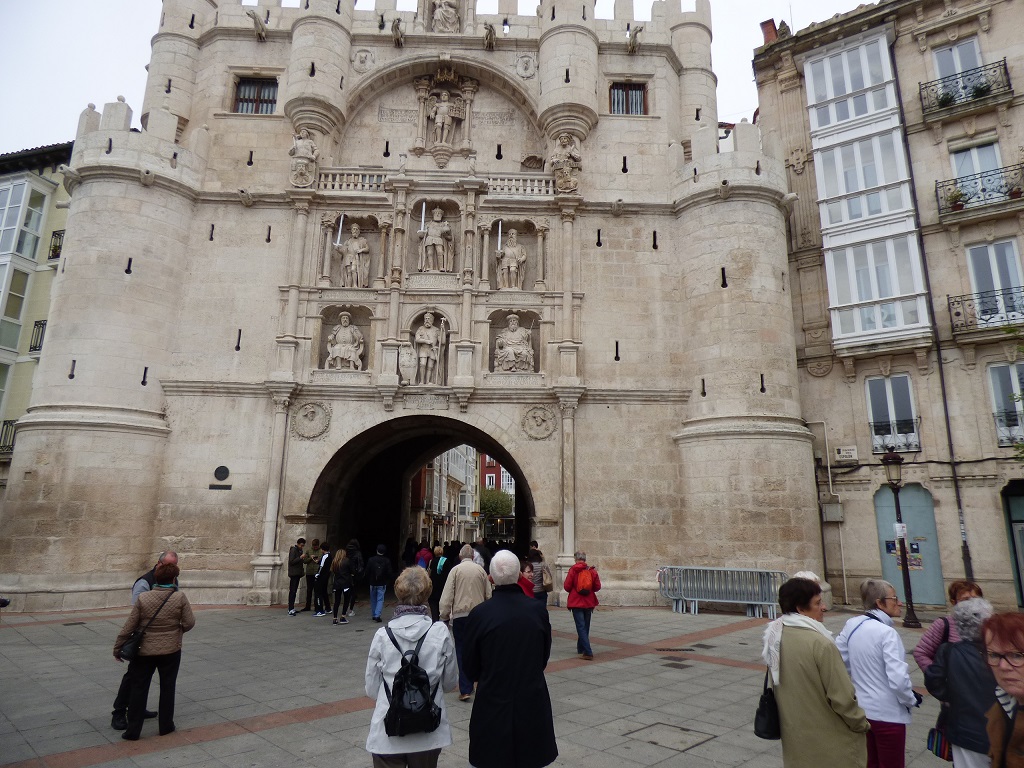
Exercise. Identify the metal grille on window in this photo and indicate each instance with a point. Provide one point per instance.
(628, 99)
(256, 96)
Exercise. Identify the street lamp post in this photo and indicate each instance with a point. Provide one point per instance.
(893, 464)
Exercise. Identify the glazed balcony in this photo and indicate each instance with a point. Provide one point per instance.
(964, 92)
(902, 435)
(988, 309)
(1009, 428)
(971, 193)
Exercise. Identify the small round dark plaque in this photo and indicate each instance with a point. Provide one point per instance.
(221, 473)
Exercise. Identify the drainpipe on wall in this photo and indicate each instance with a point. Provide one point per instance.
(965, 549)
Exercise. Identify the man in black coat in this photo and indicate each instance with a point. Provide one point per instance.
(508, 641)
(295, 572)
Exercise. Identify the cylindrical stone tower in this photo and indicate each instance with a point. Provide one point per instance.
(746, 453)
(691, 41)
(172, 68)
(568, 68)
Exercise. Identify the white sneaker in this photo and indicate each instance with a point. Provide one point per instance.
(352, 612)
(291, 612)
(319, 613)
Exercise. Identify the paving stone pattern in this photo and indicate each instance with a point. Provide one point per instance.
(259, 689)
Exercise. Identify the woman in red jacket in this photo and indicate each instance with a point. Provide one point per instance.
(582, 583)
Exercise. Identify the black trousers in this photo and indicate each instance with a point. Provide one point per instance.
(310, 586)
(323, 597)
(141, 673)
(123, 692)
(293, 589)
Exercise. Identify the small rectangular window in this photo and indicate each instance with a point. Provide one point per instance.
(628, 99)
(256, 96)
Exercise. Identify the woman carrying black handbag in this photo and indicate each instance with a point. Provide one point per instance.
(164, 615)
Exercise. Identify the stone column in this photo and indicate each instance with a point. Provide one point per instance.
(568, 403)
(422, 92)
(324, 278)
(469, 88)
(485, 255)
(568, 246)
(288, 342)
(268, 561)
(380, 281)
(542, 230)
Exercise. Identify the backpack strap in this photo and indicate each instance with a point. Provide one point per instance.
(415, 659)
(945, 629)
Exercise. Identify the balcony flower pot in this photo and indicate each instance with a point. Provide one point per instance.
(981, 90)
(946, 99)
(956, 198)
(1015, 193)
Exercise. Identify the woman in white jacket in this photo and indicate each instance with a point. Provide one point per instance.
(411, 622)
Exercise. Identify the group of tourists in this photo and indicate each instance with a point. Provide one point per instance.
(851, 697)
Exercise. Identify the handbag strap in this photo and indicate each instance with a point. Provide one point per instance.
(1010, 722)
(159, 609)
(766, 671)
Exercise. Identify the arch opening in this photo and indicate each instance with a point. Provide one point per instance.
(364, 491)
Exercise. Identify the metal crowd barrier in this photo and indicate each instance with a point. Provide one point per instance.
(686, 586)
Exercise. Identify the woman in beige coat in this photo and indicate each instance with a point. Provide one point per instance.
(160, 650)
(821, 720)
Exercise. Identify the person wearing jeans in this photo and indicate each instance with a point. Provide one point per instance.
(378, 574)
(582, 603)
(466, 587)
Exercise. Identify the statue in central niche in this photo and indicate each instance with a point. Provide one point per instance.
(437, 246)
(446, 16)
(444, 111)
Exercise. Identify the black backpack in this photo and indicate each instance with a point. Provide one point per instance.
(412, 708)
(375, 570)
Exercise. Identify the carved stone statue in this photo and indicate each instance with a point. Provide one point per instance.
(633, 45)
(566, 161)
(490, 36)
(396, 33)
(345, 345)
(511, 263)
(355, 260)
(429, 340)
(444, 112)
(304, 154)
(513, 348)
(446, 16)
(437, 246)
(259, 26)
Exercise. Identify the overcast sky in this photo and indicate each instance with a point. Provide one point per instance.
(64, 54)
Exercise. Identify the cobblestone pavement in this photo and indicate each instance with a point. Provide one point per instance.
(260, 689)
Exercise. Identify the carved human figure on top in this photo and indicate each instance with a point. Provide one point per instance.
(513, 348)
(437, 246)
(446, 16)
(259, 26)
(304, 154)
(396, 33)
(444, 111)
(355, 260)
(566, 161)
(429, 341)
(345, 345)
(512, 263)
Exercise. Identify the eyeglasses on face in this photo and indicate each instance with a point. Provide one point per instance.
(1013, 658)
(887, 599)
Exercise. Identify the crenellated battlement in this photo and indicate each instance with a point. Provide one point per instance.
(197, 20)
(106, 139)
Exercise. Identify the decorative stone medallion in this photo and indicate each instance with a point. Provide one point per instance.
(362, 60)
(311, 420)
(526, 66)
(539, 422)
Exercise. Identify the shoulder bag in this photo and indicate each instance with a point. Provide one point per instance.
(766, 719)
(938, 744)
(131, 647)
(545, 578)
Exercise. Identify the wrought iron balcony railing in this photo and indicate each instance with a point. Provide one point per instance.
(986, 309)
(7, 436)
(965, 87)
(900, 435)
(56, 244)
(995, 186)
(38, 332)
(1009, 428)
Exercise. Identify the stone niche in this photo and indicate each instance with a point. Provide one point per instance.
(514, 338)
(515, 266)
(433, 344)
(336, 360)
(347, 264)
(439, 250)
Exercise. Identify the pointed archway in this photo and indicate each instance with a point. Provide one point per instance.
(363, 490)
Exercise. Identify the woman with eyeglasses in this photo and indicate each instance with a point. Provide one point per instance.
(959, 677)
(874, 656)
(1004, 652)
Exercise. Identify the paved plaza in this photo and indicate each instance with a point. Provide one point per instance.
(258, 689)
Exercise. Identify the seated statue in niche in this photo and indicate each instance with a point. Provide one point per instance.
(512, 263)
(565, 162)
(345, 345)
(446, 16)
(355, 260)
(513, 348)
(304, 154)
(437, 245)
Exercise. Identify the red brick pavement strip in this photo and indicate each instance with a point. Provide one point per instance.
(87, 756)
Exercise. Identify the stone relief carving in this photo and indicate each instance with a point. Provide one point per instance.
(304, 154)
(490, 36)
(539, 422)
(259, 26)
(513, 348)
(796, 160)
(437, 244)
(363, 60)
(443, 112)
(566, 163)
(820, 368)
(526, 66)
(311, 420)
(397, 36)
(633, 44)
(445, 17)
(430, 342)
(345, 345)
(445, 115)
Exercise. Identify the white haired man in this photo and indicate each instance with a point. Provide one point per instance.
(507, 644)
(467, 586)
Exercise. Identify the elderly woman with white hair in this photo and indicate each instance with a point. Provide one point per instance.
(411, 625)
(959, 676)
(508, 641)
